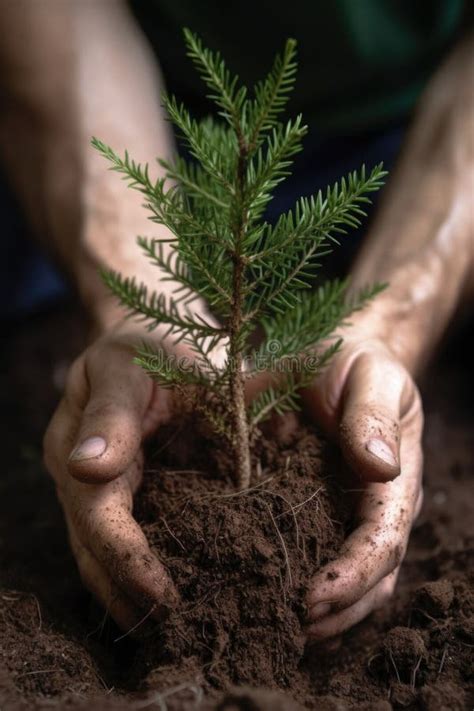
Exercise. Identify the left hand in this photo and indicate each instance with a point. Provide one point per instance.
(369, 403)
(93, 449)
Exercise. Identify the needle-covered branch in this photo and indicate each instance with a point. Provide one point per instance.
(158, 309)
(254, 275)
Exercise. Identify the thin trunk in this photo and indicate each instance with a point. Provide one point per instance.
(241, 442)
(239, 414)
(243, 468)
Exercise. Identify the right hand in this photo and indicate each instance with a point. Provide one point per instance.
(367, 401)
(93, 450)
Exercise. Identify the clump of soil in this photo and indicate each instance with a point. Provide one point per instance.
(243, 699)
(405, 651)
(434, 598)
(412, 659)
(241, 560)
(50, 625)
(45, 668)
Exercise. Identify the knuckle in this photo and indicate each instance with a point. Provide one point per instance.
(101, 408)
(352, 585)
(412, 406)
(358, 582)
(370, 420)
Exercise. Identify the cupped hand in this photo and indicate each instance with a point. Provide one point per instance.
(369, 404)
(93, 449)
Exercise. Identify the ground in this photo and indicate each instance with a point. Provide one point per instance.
(54, 652)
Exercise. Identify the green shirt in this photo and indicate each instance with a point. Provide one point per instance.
(362, 63)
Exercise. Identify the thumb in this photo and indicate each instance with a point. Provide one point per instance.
(370, 422)
(110, 429)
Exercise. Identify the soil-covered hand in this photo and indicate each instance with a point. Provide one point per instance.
(93, 449)
(369, 403)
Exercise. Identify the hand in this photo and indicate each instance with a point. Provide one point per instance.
(368, 402)
(93, 449)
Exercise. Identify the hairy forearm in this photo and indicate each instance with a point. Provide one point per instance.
(422, 241)
(86, 70)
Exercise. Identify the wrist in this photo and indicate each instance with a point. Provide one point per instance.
(421, 245)
(422, 293)
(108, 242)
(387, 321)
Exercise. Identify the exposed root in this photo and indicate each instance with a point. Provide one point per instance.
(282, 543)
(159, 697)
(415, 672)
(15, 595)
(296, 508)
(137, 625)
(175, 538)
(443, 660)
(425, 614)
(394, 665)
(371, 660)
(289, 510)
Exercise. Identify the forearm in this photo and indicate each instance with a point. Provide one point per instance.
(119, 88)
(39, 118)
(422, 240)
(91, 74)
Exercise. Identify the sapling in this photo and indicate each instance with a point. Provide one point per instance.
(254, 275)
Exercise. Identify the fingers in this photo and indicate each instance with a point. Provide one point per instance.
(376, 547)
(107, 402)
(371, 413)
(100, 520)
(120, 546)
(96, 580)
(362, 400)
(328, 626)
(110, 428)
(371, 552)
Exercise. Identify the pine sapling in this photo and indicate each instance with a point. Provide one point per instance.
(253, 274)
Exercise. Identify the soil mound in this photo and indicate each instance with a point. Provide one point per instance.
(241, 561)
(50, 626)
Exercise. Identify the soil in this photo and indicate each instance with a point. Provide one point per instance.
(241, 561)
(57, 652)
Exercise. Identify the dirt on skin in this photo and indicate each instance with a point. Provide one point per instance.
(57, 651)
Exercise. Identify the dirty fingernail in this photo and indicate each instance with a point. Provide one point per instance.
(92, 447)
(381, 450)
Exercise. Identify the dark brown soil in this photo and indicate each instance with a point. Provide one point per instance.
(56, 651)
(241, 561)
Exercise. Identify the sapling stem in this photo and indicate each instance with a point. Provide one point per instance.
(240, 434)
(240, 439)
